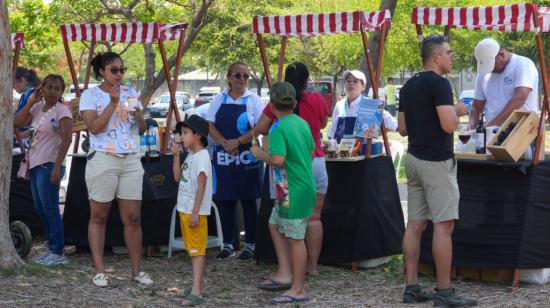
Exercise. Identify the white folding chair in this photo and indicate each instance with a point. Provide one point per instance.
(179, 243)
(397, 152)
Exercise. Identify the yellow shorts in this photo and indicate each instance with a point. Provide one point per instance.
(195, 239)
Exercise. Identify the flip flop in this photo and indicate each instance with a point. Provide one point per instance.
(288, 299)
(188, 291)
(273, 285)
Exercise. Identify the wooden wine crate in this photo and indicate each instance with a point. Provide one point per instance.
(472, 273)
(519, 139)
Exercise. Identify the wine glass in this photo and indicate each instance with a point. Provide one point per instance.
(464, 133)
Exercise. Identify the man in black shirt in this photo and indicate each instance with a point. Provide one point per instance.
(428, 117)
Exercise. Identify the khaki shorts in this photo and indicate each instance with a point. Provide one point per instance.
(291, 228)
(195, 238)
(432, 189)
(108, 176)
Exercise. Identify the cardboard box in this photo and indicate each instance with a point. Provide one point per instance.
(474, 274)
(518, 140)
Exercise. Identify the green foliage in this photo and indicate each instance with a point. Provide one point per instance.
(227, 37)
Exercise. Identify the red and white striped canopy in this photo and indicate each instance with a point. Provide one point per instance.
(321, 24)
(135, 32)
(16, 37)
(513, 17)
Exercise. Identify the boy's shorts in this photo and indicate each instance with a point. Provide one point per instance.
(291, 228)
(195, 239)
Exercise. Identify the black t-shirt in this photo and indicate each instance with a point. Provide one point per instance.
(418, 100)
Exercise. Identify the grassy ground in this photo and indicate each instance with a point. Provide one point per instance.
(230, 283)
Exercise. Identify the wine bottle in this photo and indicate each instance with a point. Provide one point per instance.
(481, 137)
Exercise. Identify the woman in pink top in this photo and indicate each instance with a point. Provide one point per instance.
(51, 131)
(312, 108)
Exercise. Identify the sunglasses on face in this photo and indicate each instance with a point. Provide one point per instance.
(239, 75)
(121, 70)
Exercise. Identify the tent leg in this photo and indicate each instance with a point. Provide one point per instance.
(354, 266)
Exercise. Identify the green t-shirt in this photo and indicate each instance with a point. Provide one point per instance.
(389, 91)
(294, 185)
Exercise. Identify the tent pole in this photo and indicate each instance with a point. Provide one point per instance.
(88, 65)
(172, 106)
(265, 63)
(378, 76)
(546, 88)
(284, 39)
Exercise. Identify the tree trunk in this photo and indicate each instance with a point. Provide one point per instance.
(375, 40)
(8, 255)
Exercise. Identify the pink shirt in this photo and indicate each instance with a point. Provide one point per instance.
(46, 141)
(314, 110)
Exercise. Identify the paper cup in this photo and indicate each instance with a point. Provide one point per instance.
(132, 104)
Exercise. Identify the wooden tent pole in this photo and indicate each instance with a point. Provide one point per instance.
(265, 62)
(545, 85)
(282, 54)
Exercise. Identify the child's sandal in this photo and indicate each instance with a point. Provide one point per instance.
(193, 300)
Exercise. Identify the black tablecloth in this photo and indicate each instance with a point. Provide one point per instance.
(504, 216)
(362, 216)
(21, 201)
(159, 197)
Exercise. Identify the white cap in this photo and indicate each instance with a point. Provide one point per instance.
(355, 73)
(486, 52)
(183, 115)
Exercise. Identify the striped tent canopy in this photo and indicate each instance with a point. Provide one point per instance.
(321, 24)
(135, 32)
(513, 17)
(16, 37)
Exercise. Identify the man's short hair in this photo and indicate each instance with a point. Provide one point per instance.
(430, 44)
(389, 79)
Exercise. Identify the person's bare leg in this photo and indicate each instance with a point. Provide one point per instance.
(299, 264)
(442, 250)
(130, 214)
(99, 214)
(411, 249)
(314, 236)
(284, 270)
(198, 263)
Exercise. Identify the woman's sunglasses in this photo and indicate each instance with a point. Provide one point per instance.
(121, 70)
(239, 75)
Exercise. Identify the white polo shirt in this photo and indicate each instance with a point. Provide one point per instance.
(497, 89)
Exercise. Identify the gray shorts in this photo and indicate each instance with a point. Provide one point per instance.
(320, 174)
(432, 189)
(319, 167)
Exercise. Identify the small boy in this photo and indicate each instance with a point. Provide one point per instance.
(194, 198)
(290, 154)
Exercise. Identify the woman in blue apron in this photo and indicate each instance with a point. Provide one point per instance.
(232, 114)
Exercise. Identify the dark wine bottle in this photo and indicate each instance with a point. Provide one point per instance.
(481, 137)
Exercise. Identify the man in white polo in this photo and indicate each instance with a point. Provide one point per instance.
(505, 82)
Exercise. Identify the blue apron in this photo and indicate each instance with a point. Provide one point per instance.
(238, 176)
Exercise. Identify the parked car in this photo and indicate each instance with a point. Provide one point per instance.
(467, 96)
(326, 89)
(206, 94)
(160, 108)
(72, 92)
(264, 95)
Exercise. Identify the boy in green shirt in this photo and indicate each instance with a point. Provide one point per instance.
(290, 154)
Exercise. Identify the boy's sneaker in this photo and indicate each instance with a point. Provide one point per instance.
(226, 253)
(54, 259)
(246, 255)
(448, 298)
(143, 279)
(41, 257)
(100, 280)
(415, 294)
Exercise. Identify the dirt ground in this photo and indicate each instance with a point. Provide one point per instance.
(230, 283)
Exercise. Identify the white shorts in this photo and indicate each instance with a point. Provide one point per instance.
(108, 176)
